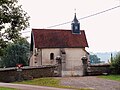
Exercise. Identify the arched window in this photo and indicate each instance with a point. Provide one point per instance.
(51, 56)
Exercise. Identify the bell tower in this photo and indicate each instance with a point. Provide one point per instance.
(75, 25)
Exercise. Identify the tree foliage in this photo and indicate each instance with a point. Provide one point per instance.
(115, 64)
(94, 59)
(12, 20)
(16, 53)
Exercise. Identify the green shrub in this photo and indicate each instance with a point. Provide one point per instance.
(115, 64)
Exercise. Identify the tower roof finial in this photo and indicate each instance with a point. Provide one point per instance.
(75, 10)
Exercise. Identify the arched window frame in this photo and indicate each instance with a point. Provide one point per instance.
(51, 56)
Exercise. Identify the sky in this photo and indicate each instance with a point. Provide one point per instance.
(102, 31)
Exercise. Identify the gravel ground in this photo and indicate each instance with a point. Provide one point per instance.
(91, 82)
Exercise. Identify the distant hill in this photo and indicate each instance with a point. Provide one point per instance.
(105, 56)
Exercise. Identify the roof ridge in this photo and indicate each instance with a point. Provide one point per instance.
(55, 29)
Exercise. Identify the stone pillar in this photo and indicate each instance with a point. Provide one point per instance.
(59, 64)
(63, 57)
(84, 62)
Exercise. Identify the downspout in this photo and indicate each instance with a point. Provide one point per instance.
(41, 56)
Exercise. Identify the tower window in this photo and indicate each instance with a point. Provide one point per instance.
(76, 27)
(51, 56)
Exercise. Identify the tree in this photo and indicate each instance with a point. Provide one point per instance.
(12, 20)
(16, 53)
(115, 64)
(94, 59)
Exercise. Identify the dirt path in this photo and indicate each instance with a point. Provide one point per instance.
(28, 87)
(91, 82)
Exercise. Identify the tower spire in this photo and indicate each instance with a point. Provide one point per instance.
(75, 18)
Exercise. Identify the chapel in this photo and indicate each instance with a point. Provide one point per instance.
(47, 45)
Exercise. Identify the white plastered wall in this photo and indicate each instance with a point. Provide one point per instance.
(73, 59)
(74, 62)
(46, 56)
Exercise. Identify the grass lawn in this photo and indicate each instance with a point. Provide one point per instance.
(51, 82)
(111, 77)
(5, 88)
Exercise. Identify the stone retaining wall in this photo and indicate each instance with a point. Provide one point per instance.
(27, 73)
(98, 69)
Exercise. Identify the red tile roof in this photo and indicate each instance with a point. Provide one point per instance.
(55, 38)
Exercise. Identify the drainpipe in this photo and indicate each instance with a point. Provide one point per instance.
(41, 56)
